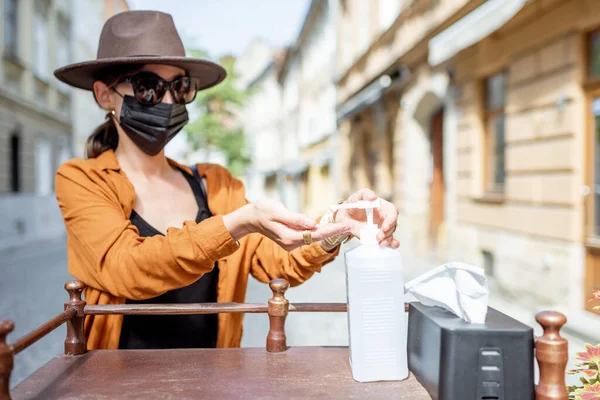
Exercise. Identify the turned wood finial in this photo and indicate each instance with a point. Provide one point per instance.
(6, 359)
(75, 341)
(552, 353)
(6, 327)
(278, 310)
(75, 289)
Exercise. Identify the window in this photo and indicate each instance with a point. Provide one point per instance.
(62, 42)
(594, 55)
(304, 188)
(495, 100)
(44, 167)
(488, 263)
(64, 103)
(596, 164)
(592, 273)
(11, 27)
(65, 151)
(41, 48)
(15, 156)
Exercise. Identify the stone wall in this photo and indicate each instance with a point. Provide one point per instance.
(535, 232)
(27, 219)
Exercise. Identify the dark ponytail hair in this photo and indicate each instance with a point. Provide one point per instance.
(106, 137)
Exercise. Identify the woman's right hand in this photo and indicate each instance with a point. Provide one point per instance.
(273, 220)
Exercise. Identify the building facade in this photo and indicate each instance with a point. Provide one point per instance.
(527, 147)
(291, 125)
(39, 116)
(35, 117)
(478, 119)
(293, 168)
(259, 69)
(315, 50)
(391, 113)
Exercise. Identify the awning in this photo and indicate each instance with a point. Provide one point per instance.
(270, 174)
(294, 168)
(477, 25)
(364, 98)
(322, 159)
(372, 92)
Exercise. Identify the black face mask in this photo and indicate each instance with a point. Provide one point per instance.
(151, 127)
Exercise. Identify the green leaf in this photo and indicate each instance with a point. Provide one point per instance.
(583, 380)
(215, 128)
(571, 389)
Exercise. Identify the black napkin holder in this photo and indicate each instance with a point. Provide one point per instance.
(457, 360)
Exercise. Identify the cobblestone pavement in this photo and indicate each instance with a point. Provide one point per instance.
(31, 292)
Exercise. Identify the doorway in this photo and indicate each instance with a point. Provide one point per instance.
(15, 164)
(437, 188)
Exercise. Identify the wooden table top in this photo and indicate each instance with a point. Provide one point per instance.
(300, 372)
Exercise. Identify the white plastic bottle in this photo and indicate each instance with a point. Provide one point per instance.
(375, 296)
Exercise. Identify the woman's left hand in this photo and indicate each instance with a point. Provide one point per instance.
(386, 217)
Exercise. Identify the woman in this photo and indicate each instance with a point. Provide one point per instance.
(144, 229)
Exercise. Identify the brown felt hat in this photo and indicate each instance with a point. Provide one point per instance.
(135, 38)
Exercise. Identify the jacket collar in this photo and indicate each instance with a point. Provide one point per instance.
(108, 161)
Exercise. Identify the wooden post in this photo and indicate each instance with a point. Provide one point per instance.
(6, 359)
(552, 353)
(278, 310)
(75, 341)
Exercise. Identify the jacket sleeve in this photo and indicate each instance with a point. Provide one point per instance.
(107, 253)
(268, 259)
(271, 261)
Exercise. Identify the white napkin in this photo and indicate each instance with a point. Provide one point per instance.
(458, 287)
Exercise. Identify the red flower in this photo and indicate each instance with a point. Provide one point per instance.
(591, 373)
(590, 392)
(591, 355)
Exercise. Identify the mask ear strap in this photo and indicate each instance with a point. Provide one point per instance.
(115, 90)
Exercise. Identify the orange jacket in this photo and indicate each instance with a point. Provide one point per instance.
(106, 252)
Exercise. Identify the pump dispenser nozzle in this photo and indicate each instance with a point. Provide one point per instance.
(369, 231)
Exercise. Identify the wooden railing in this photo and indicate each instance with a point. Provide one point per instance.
(550, 348)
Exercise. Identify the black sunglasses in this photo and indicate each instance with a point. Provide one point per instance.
(149, 89)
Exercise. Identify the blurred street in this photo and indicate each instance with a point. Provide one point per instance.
(31, 293)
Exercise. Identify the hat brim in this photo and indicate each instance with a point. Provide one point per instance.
(83, 75)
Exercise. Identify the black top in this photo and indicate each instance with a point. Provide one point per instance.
(175, 331)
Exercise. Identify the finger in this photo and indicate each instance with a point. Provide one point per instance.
(395, 244)
(286, 237)
(386, 242)
(384, 235)
(294, 220)
(363, 194)
(390, 218)
(388, 228)
(329, 230)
